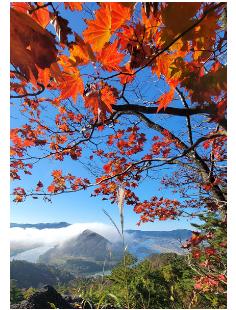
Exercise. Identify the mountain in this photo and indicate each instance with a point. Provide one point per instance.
(35, 275)
(41, 225)
(88, 253)
(182, 234)
(144, 243)
(88, 245)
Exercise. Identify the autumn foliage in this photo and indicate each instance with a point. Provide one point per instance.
(134, 91)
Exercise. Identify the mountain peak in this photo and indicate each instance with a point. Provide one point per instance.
(88, 232)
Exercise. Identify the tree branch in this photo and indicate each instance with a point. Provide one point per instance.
(189, 151)
(168, 110)
(182, 98)
(211, 111)
(30, 94)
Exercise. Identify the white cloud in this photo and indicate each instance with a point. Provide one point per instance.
(30, 237)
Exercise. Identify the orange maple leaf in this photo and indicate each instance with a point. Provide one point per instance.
(51, 188)
(99, 30)
(108, 96)
(109, 57)
(165, 99)
(100, 102)
(22, 7)
(108, 18)
(91, 102)
(73, 6)
(41, 16)
(119, 14)
(57, 173)
(55, 71)
(126, 78)
(163, 64)
(44, 76)
(71, 84)
(81, 53)
(151, 24)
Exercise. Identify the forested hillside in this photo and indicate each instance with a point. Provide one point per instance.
(35, 275)
(161, 281)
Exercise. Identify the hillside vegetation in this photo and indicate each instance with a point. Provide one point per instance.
(35, 275)
(161, 281)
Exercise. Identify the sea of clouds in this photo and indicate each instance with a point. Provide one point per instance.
(32, 237)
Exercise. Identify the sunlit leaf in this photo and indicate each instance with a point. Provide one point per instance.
(73, 6)
(98, 31)
(81, 53)
(165, 99)
(108, 18)
(71, 85)
(110, 57)
(42, 15)
(109, 96)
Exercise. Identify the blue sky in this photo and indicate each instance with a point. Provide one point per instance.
(80, 206)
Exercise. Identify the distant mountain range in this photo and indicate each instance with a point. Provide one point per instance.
(176, 234)
(41, 225)
(144, 243)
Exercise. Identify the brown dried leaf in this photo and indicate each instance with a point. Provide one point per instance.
(31, 45)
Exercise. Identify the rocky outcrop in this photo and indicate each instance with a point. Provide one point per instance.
(45, 298)
(48, 298)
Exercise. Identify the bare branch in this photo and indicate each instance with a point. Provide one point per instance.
(211, 111)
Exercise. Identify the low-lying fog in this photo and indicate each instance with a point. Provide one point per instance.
(32, 237)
